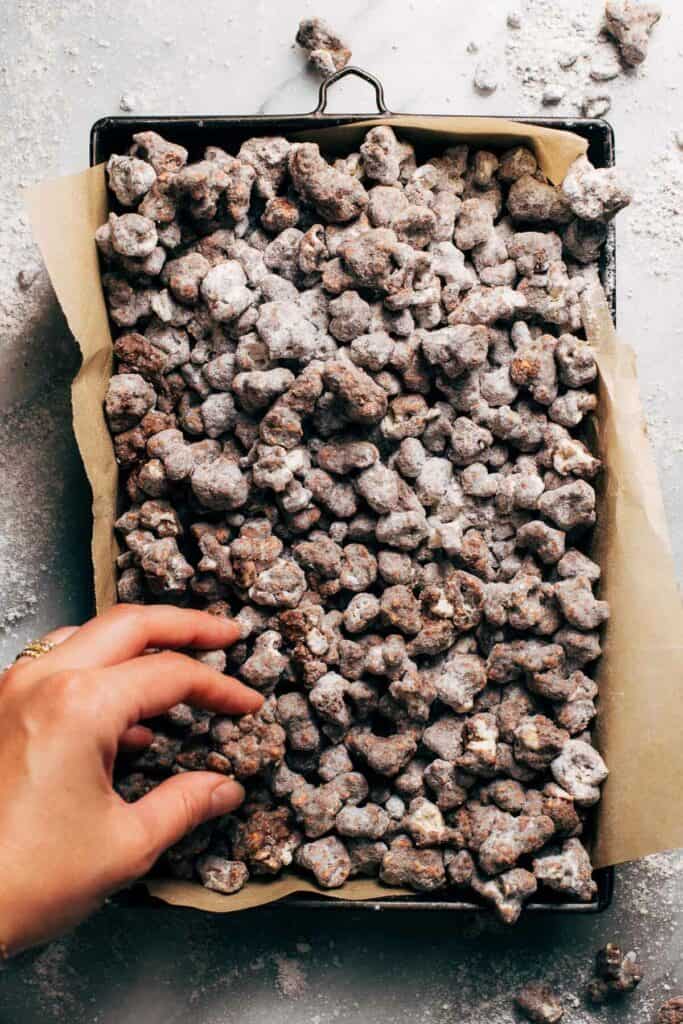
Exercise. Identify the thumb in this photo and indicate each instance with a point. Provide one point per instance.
(178, 805)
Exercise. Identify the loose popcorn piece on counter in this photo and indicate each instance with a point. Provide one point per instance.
(671, 1012)
(326, 52)
(616, 974)
(538, 1003)
(348, 411)
(631, 22)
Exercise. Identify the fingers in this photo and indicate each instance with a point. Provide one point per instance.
(62, 633)
(126, 630)
(136, 738)
(148, 686)
(175, 807)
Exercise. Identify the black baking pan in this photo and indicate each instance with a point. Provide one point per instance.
(113, 135)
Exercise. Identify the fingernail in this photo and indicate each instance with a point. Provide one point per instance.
(226, 797)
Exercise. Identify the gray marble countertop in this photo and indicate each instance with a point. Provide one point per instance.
(63, 64)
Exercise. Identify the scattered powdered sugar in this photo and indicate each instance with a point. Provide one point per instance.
(26, 541)
(290, 977)
(465, 969)
(605, 67)
(665, 433)
(56, 981)
(655, 219)
(552, 47)
(553, 94)
(596, 102)
(560, 49)
(32, 125)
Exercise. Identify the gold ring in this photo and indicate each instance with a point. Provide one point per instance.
(36, 649)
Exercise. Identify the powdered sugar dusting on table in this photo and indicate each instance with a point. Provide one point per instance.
(655, 223)
(290, 977)
(562, 46)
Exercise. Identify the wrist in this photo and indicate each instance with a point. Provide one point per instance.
(12, 936)
(21, 916)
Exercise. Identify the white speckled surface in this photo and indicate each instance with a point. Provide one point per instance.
(64, 63)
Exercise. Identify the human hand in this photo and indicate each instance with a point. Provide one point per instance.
(67, 839)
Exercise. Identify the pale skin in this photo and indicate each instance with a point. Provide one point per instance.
(67, 839)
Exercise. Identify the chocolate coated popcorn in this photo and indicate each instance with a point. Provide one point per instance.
(616, 975)
(671, 1012)
(326, 52)
(348, 410)
(631, 24)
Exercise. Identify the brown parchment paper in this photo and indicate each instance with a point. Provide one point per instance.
(640, 723)
(641, 671)
(64, 214)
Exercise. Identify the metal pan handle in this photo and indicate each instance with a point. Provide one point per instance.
(360, 73)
